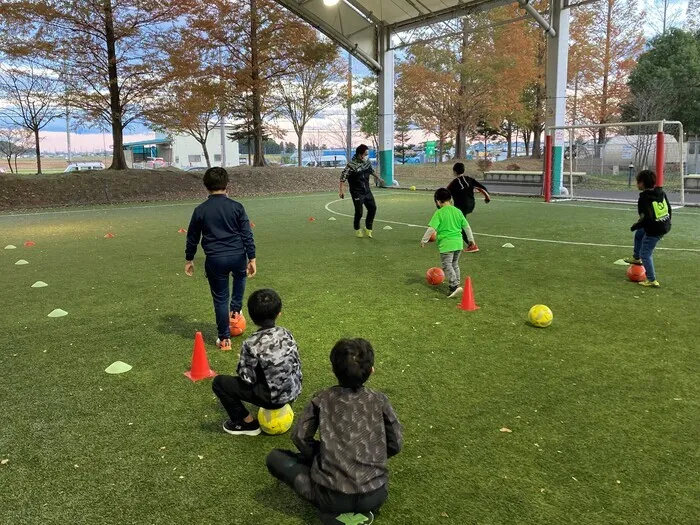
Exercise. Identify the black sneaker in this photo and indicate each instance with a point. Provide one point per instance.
(242, 428)
(454, 291)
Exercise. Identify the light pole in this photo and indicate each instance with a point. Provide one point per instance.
(223, 116)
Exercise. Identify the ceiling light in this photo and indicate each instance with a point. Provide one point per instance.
(330, 3)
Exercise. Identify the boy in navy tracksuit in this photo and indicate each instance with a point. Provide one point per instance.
(654, 222)
(227, 241)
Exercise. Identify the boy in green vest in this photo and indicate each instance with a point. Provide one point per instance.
(448, 223)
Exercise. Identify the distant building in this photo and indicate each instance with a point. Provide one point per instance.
(181, 151)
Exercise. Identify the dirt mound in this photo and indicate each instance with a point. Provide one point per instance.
(112, 187)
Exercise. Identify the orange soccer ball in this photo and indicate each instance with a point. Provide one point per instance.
(237, 325)
(434, 276)
(636, 273)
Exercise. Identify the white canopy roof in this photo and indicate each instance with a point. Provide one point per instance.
(356, 24)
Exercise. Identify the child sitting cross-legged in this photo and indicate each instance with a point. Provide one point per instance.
(344, 473)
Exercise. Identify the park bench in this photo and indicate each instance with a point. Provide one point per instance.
(526, 177)
(692, 182)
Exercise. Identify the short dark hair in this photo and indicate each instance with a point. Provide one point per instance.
(361, 149)
(458, 168)
(352, 361)
(216, 179)
(442, 195)
(264, 306)
(647, 178)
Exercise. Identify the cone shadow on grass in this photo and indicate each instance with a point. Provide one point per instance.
(177, 324)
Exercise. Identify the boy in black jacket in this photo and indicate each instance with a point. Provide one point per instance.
(462, 190)
(344, 471)
(654, 222)
(227, 240)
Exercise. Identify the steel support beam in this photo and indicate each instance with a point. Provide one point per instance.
(525, 4)
(448, 13)
(556, 76)
(386, 108)
(342, 40)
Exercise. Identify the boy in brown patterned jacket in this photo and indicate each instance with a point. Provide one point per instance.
(346, 471)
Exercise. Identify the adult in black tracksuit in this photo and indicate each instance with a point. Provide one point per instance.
(462, 190)
(357, 174)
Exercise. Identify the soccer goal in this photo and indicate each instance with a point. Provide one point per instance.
(599, 162)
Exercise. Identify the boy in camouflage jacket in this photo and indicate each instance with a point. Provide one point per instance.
(269, 370)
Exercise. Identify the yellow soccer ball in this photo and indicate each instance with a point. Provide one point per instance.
(413, 188)
(276, 421)
(540, 316)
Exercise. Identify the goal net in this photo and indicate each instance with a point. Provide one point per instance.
(600, 162)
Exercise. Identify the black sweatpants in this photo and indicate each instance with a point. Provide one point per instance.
(367, 200)
(466, 209)
(232, 391)
(293, 470)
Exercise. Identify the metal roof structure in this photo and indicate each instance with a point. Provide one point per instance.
(151, 142)
(357, 25)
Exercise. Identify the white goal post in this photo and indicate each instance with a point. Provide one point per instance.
(599, 162)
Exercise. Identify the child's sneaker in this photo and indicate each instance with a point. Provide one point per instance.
(652, 284)
(358, 233)
(472, 248)
(224, 345)
(454, 291)
(632, 260)
(350, 518)
(242, 428)
(369, 233)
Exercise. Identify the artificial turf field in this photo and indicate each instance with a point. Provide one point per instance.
(603, 405)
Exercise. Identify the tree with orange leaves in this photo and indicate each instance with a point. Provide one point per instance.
(261, 43)
(101, 50)
(606, 50)
(313, 88)
(193, 94)
(517, 69)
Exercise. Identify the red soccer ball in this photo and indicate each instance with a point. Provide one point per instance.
(434, 276)
(636, 273)
(237, 325)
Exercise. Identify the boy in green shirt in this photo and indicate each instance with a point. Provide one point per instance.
(448, 223)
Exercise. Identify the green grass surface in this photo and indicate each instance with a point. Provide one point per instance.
(603, 405)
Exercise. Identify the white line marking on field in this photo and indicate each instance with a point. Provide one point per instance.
(616, 208)
(679, 209)
(550, 241)
(682, 210)
(568, 203)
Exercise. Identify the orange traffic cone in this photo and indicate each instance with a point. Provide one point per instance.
(252, 224)
(312, 219)
(29, 244)
(109, 236)
(200, 364)
(468, 302)
(182, 230)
